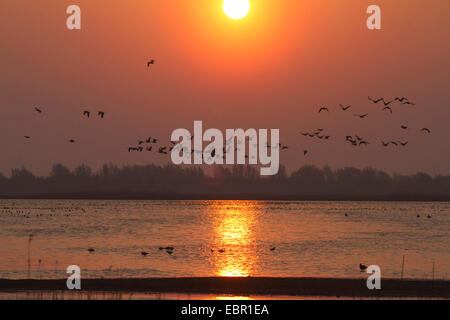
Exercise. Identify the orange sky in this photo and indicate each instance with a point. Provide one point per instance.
(272, 69)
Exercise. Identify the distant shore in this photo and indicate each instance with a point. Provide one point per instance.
(228, 196)
(310, 287)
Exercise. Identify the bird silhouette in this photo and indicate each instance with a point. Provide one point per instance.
(385, 144)
(101, 114)
(72, 141)
(38, 110)
(376, 100)
(388, 108)
(272, 249)
(400, 99)
(86, 113)
(362, 267)
(305, 152)
(344, 108)
(403, 143)
(362, 116)
(426, 130)
(27, 137)
(404, 127)
(144, 253)
(91, 250)
(149, 63)
(323, 109)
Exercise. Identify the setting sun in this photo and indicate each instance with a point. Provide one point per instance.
(236, 9)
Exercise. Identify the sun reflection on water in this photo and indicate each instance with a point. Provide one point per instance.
(234, 234)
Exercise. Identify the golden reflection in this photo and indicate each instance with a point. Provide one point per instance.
(233, 298)
(235, 254)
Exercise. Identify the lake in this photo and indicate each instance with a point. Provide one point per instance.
(223, 238)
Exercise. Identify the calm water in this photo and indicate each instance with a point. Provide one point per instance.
(310, 238)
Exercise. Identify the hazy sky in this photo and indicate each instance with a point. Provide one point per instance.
(272, 69)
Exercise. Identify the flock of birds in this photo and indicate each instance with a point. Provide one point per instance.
(86, 113)
(150, 144)
(320, 134)
(359, 141)
(170, 250)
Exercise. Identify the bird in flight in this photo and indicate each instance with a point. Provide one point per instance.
(323, 109)
(386, 103)
(400, 99)
(409, 102)
(37, 110)
(362, 116)
(27, 137)
(305, 152)
(385, 144)
(86, 113)
(426, 130)
(101, 114)
(404, 127)
(375, 100)
(388, 108)
(150, 63)
(403, 143)
(344, 108)
(72, 141)
(362, 267)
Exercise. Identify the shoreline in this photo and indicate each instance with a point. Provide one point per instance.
(325, 287)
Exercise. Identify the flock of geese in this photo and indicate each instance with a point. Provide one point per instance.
(359, 141)
(150, 144)
(86, 113)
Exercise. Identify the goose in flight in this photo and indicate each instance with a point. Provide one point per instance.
(403, 143)
(91, 250)
(72, 141)
(426, 130)
(362, 267)
(27, 137)
(345, 108)
(305, 152)
(324, 109)
(101, 114)
(388, 108)
(404, 127)
(87, 113)
(385, 144)
(149, 63)
(375, 100)
(144, 253)
(37, 110)
(362, 116)
(400, 99)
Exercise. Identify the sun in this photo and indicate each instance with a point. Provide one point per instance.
(236, 9)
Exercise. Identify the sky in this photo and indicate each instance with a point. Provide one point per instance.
(272, 69)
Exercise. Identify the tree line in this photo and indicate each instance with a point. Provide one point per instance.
(171, 179)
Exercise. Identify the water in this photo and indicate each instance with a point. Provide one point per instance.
(311, 239)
